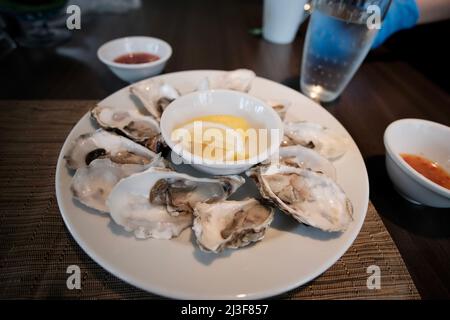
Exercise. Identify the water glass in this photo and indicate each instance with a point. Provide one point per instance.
(340, 34)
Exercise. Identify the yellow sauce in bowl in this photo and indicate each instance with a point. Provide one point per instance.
(218, 137)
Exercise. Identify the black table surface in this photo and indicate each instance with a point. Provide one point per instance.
(406, 78)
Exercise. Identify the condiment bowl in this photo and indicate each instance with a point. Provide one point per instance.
(113, 49)
(221, 102)
(423, 138)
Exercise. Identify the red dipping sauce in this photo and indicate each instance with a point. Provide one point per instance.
(428, 169)
(136, 58)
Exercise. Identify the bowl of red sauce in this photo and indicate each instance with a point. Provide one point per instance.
(135, 58)
(418, 161)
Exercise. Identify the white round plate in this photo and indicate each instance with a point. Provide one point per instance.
(289, 256)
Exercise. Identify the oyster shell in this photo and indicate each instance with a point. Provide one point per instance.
(92, 185)
(154, 95)
(315, 136)
(230, 224)
(104, 144)
(239, 80)
(309, 197)
(130, 122)
(305, 158)
(139, 204)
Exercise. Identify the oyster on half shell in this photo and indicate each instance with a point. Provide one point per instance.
(103, 144)
(305, 158)
(92, 185)
(239, 80)
(323, 140)
(154, 95)
(180, 194)
(141, 205)
(230, 224)
(309, 197)
(131, 123)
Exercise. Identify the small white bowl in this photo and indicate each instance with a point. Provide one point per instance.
(223, 102)
(424, 138)
(113, 49)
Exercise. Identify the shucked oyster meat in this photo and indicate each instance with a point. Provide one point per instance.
(154, 95)
(180, 194)
(309, 197)
(130, 122)
(230, 224)
(104, 144)
(92, 185)
(141, 205)
(323, 140)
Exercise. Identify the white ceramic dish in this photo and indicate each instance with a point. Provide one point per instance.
(135, 72)
(202, 103)
(424, 138)
(290, 255)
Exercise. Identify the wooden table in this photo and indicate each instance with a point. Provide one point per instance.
(408, 77)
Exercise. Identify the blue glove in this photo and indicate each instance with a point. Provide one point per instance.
(402, 14)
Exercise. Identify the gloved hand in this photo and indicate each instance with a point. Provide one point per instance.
(402, 14)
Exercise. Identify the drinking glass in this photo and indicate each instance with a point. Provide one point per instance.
(340, 34)
(281, 19)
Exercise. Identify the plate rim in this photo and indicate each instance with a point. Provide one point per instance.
(157, 290)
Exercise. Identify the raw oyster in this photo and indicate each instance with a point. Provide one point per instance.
(130, 122)
(141, 205)
(239, 80)
(315, 136)
(154, 95)
(230, 224)
(309, 197)
(180, 195)
(92, 185)
(104, 144)
(305, 158)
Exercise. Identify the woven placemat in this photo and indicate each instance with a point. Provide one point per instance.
(36, 248)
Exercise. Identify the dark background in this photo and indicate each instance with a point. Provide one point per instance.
(407, 77)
